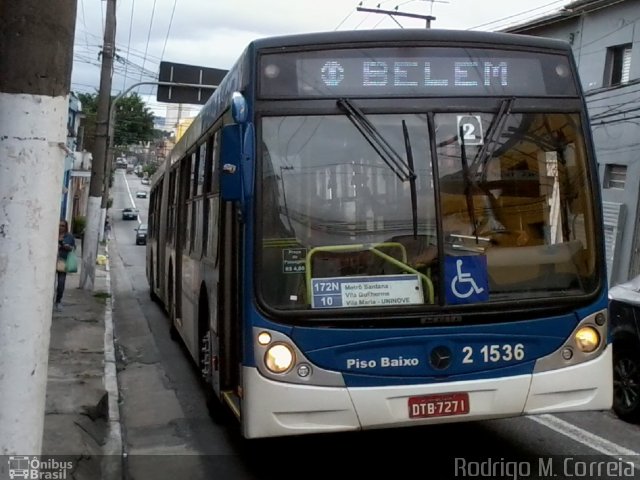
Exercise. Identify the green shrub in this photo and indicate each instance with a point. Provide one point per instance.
(78, 225)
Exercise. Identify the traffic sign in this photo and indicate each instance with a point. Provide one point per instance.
(188, 74)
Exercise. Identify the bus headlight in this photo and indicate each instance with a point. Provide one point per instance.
(279, 358)
(264, 338)
(587, 339)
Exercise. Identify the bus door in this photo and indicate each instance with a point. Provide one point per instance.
(230, 288)
(229, 314)
(181, 244)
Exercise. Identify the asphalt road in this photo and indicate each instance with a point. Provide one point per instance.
(168, 433)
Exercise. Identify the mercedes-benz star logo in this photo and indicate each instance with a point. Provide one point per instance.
(440, 358)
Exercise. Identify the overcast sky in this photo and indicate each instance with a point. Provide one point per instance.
(213, 33)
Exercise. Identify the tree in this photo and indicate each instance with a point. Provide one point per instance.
(161, 134)
(150, 169)
(89, 104)
(133, 123)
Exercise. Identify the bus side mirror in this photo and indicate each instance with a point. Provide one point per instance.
(230, 163)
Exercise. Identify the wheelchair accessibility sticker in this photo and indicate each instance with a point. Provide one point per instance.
(466, 279)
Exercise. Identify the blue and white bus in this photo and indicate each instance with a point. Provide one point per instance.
(374, 229)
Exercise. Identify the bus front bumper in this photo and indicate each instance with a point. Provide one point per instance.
(272, 408)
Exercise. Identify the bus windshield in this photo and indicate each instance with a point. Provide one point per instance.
(502, 212)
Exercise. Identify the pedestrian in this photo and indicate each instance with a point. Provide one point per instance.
(66, 243)
(107, 228)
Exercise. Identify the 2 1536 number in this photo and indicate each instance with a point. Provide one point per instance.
(495, 353)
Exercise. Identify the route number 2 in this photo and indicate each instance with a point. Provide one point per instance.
(470, 130)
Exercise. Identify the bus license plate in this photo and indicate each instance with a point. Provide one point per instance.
(442, 405)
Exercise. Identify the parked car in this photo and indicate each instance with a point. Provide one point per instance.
(624, 310)
(141, 234)
(141, 194)
(130, 214)
(144, 181)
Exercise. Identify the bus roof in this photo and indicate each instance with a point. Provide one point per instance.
(403, 35)
(238, 74)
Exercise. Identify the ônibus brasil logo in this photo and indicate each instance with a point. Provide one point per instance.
(36, 468)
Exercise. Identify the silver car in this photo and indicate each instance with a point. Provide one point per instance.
(130, 214)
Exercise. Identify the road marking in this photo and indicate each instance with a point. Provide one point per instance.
(585, 437)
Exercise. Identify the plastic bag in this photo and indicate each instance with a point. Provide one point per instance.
(72, 262)
(61, 265)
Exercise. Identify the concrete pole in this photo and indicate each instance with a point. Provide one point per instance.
(36, 55)
(95, 214)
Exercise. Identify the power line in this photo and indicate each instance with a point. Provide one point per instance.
(344, 19)
(166, 38)
(518, 14)
(84, 22)
(124, 80)
(153, 11)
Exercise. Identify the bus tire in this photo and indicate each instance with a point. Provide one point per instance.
(152, 285)
(174, 334)
(626, 382)
(218, 411)
(171, 309)
(152, 295)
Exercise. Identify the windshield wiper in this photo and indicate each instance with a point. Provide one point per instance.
(371, 134)
(412, 179)
(484, 154)
(493, 133)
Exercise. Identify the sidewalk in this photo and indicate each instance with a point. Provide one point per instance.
(81, 415)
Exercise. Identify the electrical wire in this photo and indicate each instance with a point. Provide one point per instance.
(84, 22)
(166, 38)
(124, 79)
(153, 11)
(344, 20)
(518, 14)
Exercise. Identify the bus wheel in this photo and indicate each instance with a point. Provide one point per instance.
(626, 382)
(174, 334)
(173, 331)
(152, 295)
(152, 285)
(217, 411)
(215, 407)
(171, 311)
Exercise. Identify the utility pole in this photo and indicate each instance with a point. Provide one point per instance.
(95, 215)
(36, 57)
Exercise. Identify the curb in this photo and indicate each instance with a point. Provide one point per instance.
(112, 449)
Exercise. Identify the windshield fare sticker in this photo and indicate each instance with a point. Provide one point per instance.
(382, 290)
(293, 260)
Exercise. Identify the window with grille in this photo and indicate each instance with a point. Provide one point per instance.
(618, 65)
(615, 176)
